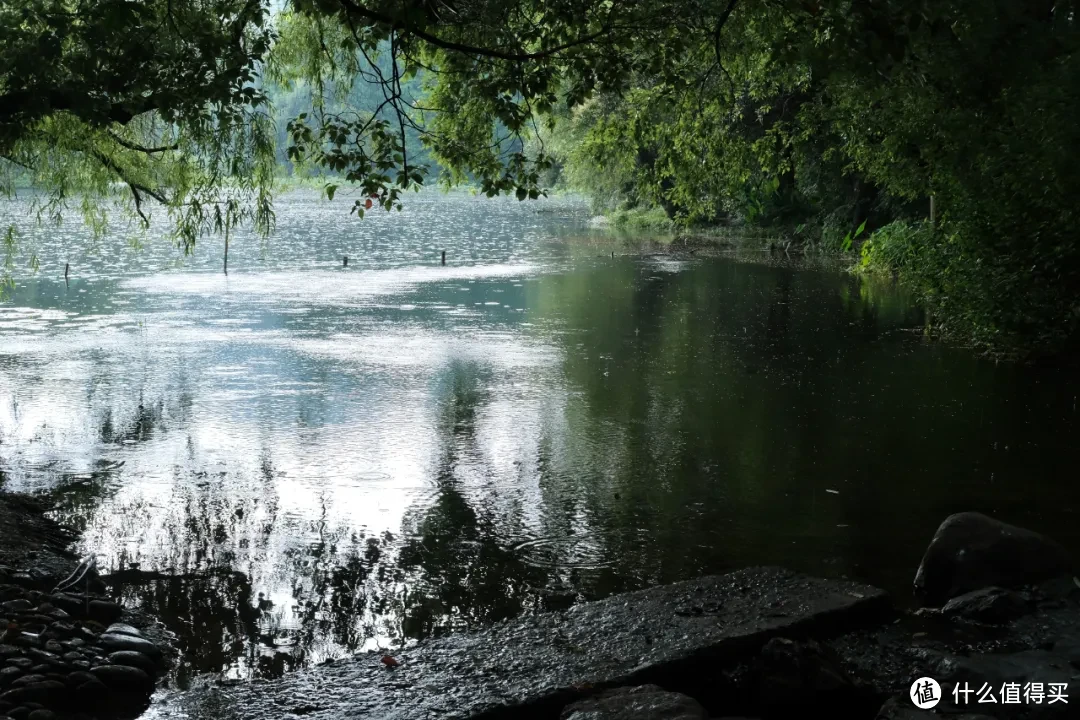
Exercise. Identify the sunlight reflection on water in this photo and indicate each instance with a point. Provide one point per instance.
(398, 449)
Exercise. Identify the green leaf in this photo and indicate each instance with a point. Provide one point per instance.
(330, 190)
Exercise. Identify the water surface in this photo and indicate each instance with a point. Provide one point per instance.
(340, 459)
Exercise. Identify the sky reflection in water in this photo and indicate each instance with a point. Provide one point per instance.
(334, 459)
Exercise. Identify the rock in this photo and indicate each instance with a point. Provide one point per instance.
(20, 605)
(92, 694)
(42, 656)
(41, 714)
(124, 678)
(105, 611)
(28, 680)
(795, 676)
(991, 605)
(113, 642)
(9, 651)
(62, 629)
(133, 659)
(46, 693)
(122, 629)
(8, 674)
(897, 709)
(70, 604)
(971, 551)
(54, 647)
(23, 663)
(645, 702)
(72, 656)
(532, 661)
(77, 678)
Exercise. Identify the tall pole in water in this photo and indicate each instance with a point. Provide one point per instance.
(67, 267)
(226, 248)
(443, 257)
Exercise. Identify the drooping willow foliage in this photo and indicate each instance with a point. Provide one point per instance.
(142, 107)
(828, 114)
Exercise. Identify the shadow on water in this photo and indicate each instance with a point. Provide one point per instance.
(302, 464)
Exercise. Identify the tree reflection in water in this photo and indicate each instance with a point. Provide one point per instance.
(348, 591)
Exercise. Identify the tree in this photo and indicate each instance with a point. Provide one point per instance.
(159, 96)
(830, 112)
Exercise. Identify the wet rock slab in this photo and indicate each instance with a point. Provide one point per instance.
(541, 663)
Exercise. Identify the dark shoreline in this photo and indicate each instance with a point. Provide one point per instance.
(65, 652)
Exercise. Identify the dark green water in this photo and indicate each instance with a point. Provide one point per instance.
(343, 459)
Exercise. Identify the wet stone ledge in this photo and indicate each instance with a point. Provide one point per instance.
(677, 636)
(67, 656)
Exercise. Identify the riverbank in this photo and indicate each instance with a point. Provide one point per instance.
(757, 643)
(1001, 609)
(64, 652)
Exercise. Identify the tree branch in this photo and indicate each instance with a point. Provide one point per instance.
(353, 7)
(140, 148)
(720, 22)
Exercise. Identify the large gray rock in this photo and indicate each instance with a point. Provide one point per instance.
(542, 661)
(645, 702)
(971, 551)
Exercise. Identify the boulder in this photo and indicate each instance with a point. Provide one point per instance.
(645, 702)
(971, 551)
(993, 605)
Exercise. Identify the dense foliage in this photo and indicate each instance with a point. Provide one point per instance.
(835, 119)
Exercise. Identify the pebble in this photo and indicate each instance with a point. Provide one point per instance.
(122, 629)
(52, 657)
(133, 659)
(28, 680)
(42, 656)
(124, 678)
(128, 642)
(45, 691)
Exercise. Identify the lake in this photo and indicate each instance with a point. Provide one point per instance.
(333, 459)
